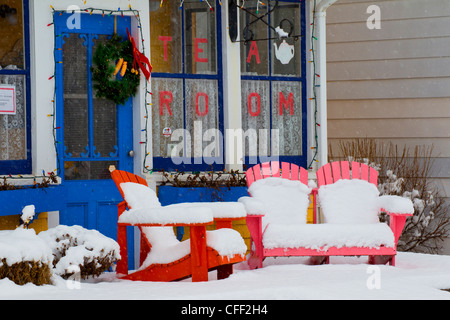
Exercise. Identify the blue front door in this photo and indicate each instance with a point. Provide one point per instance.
(92, 133)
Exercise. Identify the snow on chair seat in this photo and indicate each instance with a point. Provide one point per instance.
(163, 257)
(321, 237)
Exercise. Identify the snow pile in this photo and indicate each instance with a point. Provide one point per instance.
(227, 242)
(167, 216)
(166, 248)
(77, 246)
(139, 196)
(253, 206)
(23, 245)
(280, 200)
(219, 209)
(358, 202)
(350, 201)
(27, 214)
(396, 204)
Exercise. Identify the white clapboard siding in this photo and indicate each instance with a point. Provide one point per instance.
(393, 83)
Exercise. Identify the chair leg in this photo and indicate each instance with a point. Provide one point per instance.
(122, 264)
(198, 254)
(224, 271)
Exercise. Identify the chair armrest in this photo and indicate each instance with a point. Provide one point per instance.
(167, 216)
(252, 206)
(121, 208)
(396, 205)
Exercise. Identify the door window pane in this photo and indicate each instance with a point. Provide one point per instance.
(105, 119)
(76, 131)
(88, 170)
(11, 35)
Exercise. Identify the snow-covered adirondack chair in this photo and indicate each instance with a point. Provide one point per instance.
(165, 258)
(279, 200)
(350, 205)
(349, 199)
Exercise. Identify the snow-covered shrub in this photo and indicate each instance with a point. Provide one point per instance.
(91, 251)
(406, 172)
(24, 257)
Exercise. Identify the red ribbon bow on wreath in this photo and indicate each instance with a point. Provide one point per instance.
(140, 59)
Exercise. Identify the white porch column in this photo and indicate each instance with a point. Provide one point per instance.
(231, 97)
(320, 15)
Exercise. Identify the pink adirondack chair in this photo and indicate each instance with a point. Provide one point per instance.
(274, 169)
(349, 201)
(397, 208)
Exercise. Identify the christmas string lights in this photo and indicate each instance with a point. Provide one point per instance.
(314, 92)
(182, 2)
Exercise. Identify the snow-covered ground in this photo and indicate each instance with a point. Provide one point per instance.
(416, 276)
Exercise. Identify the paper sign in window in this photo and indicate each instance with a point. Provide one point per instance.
(8, 100)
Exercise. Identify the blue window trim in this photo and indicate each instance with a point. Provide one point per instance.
(300, 160)
(22, 166)
(167, 163)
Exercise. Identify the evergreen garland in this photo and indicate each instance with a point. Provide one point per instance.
(106, 85)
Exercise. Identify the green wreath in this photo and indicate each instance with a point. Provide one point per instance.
(117, 88)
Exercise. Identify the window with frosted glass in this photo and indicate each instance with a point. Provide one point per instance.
(185, 79)
(14, 88)
(272, 81)
(167, 112)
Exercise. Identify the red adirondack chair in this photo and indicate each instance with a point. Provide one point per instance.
(195, 257)
(336, 237)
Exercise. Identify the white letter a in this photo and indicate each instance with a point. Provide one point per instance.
(374, 21)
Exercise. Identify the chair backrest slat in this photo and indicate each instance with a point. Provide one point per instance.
(275, 166)
(304, 176)
(345, 170)
(295, 172)
(336, 169)
(332, 172)
(364, 172)
(286, 171)
(257, 172)
(355, 170)
(373, 177)
(327, 174)
(249, 176)
(266, 170)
